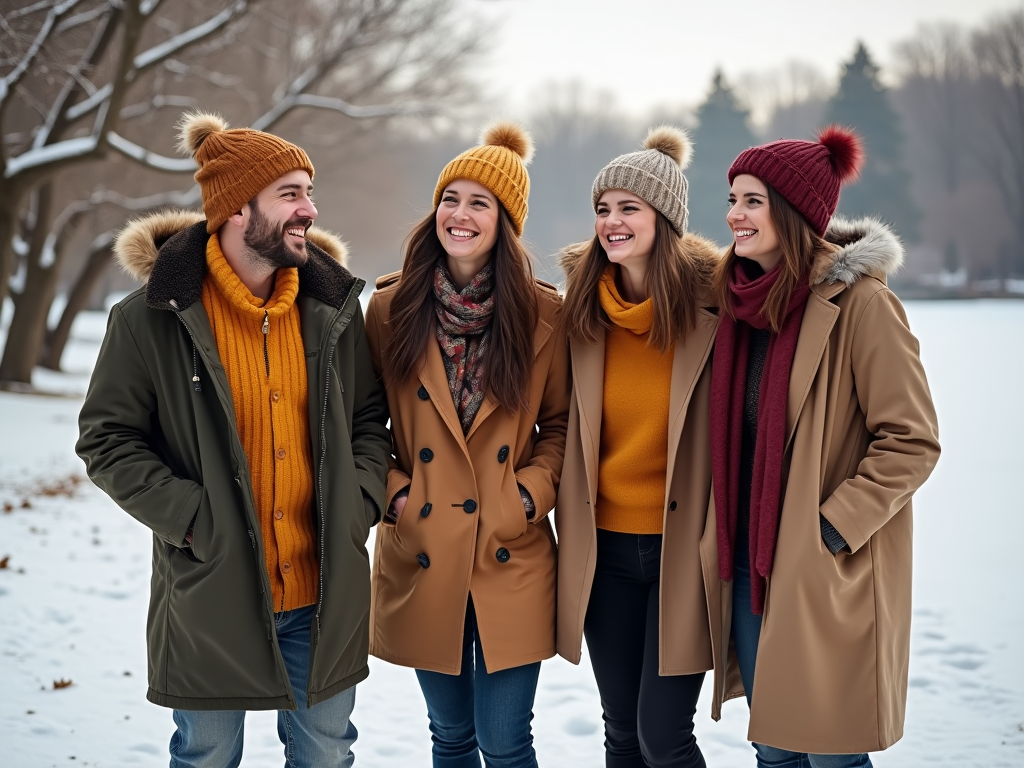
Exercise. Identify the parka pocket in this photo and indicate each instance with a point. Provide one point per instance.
(201, 548)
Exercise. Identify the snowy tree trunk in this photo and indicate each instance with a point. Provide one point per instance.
(28, 326)
(78, 299)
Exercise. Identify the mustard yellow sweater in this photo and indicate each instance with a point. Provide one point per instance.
(634, 418)
(260, 345)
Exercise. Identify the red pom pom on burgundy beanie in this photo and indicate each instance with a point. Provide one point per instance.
(807, 173)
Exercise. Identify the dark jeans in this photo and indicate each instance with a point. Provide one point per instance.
(476, 713)
(746, 633)
(648, 719)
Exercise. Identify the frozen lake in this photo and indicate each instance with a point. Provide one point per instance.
(74, 592)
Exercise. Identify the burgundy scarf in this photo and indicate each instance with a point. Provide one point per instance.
(728, 384)
(464, 334)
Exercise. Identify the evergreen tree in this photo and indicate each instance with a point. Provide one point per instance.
(883, 190)
(722, 133)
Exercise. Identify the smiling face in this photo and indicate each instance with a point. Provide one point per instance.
(277, 220)
(467, 226)
(750, 220)
(625, 225)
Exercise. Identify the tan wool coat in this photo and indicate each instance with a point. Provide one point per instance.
(685, 633)
(464, 529)
(862, 437)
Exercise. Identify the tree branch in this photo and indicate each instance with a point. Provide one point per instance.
(163, 51)
(150, 159)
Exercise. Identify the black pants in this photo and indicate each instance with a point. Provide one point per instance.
(648, 719)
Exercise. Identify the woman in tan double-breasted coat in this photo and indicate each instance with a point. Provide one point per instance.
(812, 506)
(477, 379)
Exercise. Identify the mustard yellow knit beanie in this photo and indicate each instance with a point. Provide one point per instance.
(499, 163)
(235, 164)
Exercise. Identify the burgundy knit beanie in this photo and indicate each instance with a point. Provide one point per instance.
(807, 173)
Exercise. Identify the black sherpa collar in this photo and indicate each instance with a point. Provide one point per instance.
(180, 269)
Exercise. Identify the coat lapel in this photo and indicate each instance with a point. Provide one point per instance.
(691, 354)
(434, 379)
(819, 318)
(588, 383)
(488, 406)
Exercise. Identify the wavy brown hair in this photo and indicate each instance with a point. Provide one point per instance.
(509, 358)
(676, 281)
(800, 246)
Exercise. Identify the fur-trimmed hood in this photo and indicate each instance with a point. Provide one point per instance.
(166, 251)
(704, 254)
(861, 248)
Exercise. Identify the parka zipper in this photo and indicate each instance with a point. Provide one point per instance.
(323, 457)
(197, 385)
(320, 482)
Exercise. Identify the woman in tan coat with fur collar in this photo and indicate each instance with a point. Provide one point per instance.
(633, 501)
(822, 429)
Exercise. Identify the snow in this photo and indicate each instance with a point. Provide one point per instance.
(74, 595)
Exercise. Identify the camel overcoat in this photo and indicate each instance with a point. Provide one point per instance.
(684, 628)
(862, 437)
(464, 529)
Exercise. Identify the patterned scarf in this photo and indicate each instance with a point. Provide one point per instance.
(464, 333)
(728, 387)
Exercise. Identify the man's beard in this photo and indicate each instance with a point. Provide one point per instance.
(268, 245)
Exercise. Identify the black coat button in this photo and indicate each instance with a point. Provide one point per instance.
(426, 509)
(672, 507)
(503, 454)
(426, 455)
(423, 560)
(422, 393)
(469, 505)
(503, 555)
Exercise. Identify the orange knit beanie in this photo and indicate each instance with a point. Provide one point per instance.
(234, 165)
(499, 163)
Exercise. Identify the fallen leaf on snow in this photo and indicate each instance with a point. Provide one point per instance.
(62, 683)
(5, 561)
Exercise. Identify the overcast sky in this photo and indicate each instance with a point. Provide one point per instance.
(663, 52)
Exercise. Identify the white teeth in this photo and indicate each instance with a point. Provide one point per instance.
(617, 238)
(745, 232)
(297, 232)
(461, 232)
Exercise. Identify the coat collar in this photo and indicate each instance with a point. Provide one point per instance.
(167, 252)
(859, 248)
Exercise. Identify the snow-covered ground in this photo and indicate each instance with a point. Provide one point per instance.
(74, 583)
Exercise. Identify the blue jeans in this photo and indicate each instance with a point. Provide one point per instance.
(317, 737)
(479, 713)
(746, 633)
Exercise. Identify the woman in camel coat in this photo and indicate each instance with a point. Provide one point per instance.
(476, 373)
(822, 429)
(633, 501)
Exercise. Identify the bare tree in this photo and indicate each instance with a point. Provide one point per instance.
(787, 100)
(365, 60)
(999, 53)
(936, 68)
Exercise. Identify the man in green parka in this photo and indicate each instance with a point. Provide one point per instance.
(234, 412)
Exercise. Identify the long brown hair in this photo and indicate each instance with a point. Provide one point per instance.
(675, 281)
(509, 358)
(799, 244)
